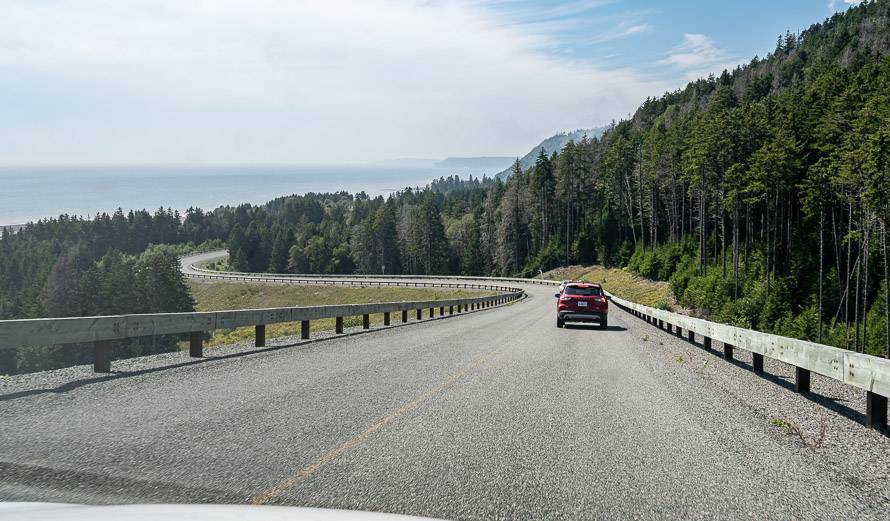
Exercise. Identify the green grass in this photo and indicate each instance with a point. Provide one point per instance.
(218, 296)
(786, 426)
(621, 283)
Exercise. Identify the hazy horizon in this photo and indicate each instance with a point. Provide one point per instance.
(35, 192)
(166, 82)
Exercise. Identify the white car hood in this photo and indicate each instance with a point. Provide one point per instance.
(68, 512)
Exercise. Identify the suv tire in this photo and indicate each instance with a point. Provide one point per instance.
(560, 322)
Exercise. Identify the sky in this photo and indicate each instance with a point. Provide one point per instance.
(342, 81)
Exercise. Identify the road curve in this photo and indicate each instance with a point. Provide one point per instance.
(495, 414)
(189, 265)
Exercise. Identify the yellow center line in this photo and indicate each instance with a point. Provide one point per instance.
(292, 480)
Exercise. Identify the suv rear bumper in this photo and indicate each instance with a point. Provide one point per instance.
(574, 316)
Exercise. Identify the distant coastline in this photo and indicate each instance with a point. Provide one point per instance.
(34, 193)
(13, 228)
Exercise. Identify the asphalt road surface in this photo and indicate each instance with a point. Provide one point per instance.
(493, 414)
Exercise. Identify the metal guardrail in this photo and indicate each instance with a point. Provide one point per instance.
(867, 372)
(309, 276)
(102, 330)
(351, 281)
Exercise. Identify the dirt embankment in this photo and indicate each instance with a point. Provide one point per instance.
(622, 283)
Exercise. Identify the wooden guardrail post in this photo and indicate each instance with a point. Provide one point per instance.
(386, 318)
(259, 335)
(366, 321)
(727, 351)
(419, 314)
(875, 411)
(690, 334)
(102, 356)
(338, 325)
(432, 312)
(196, 344)
(707, 343)
(441, 311)
(304, 329)
(757, 362)
(801, 380)
(451, 310)
(459, 308)
(404, 315)
(670, 327)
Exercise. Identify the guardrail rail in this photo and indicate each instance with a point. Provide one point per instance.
(362, 277)
(102, 330)
(867, 372)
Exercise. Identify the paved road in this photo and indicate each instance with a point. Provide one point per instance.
(495, 414)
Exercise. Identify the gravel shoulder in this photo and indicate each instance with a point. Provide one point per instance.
(852, 452)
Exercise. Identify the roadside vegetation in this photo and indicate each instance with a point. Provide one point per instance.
(217, 296)
(117, 283)
(217, 265)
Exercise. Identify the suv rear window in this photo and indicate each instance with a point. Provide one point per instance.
(583, 291)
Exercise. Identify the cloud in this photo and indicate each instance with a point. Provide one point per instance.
(832, 4)
(697, 56)
(622, 30)
(342, 80)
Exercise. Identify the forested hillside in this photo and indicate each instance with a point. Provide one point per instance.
(760, 194)
(554, 143)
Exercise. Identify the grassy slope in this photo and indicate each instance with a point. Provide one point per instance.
(216, 296)
(621, 283)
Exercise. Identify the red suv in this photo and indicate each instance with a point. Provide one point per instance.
(582, 302)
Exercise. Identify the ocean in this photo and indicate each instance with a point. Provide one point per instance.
(29, 193)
